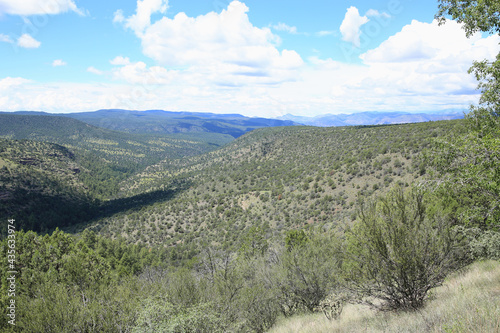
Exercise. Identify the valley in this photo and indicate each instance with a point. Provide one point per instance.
(276, 179)
(264, 223)
(182, 193)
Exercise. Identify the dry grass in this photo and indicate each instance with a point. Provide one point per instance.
(467, 302)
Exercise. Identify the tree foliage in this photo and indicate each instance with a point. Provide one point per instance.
(476, 15)
(470, 161)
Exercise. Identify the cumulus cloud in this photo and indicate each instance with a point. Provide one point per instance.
(351, 26)
(38, 7)
(9, 82)
(211, 38)
(28, 42)
(235, 66)
(58, 62)
(139, 73)
(423, 63)
(225, 47)
(420, 41)
(142, 17)
(118, 16)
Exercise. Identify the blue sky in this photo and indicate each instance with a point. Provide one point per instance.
(254, 57)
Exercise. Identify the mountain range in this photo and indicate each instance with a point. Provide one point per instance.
(235, 125)
(169, 122)
(373, 118)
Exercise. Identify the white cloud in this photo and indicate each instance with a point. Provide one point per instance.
(118, 16)
(142, 17)
(139, 73)
(28, 42)
(38, 7)
(237, 67)
(420, 41)
(9, 82)
(376, 13)
(423, 64)
(57, 97)
(225, 48)
(94, 70)
(119, 60)
(351, 25)
(322, 64)
(5, 38)
(58, 62)
(285, 27)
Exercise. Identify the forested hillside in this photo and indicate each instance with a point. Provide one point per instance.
(272, 178)
(40, 185)
(275, 179)
(125, 149)
(57, 171)
(279, 222)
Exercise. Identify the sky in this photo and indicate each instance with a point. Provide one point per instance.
(252, 57)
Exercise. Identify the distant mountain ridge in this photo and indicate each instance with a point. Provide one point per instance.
(170, 122)
(235, 125)
(373, 118)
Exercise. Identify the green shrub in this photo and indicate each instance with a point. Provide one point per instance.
(398, 251)
(483, 244)
(308, 271)
(159, 315)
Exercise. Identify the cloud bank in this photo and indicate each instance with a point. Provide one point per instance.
(221, 62)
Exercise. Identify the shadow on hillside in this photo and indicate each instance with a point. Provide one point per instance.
(43, 213)
(139, 201)
(130, 204)
(31, 209)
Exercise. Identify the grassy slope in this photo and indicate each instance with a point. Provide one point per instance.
(467, 302)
